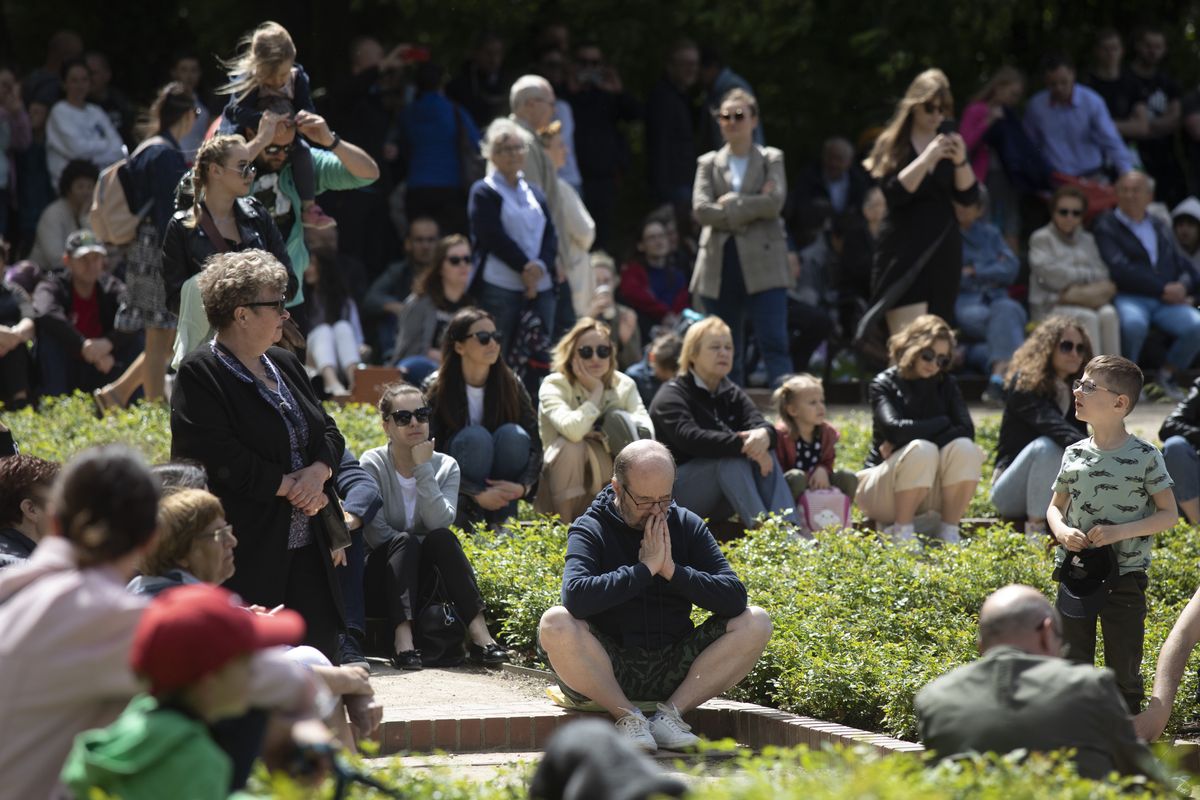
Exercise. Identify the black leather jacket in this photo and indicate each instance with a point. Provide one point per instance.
(186, 246)
(1028, 416)
(905, 410)
(1185, 419)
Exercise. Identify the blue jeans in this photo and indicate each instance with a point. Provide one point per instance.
(998, 321)
(1025, 487)
(1183, 464)
(1138, 313)
(501, 455)
(417, 368)
(506, 307)
(350, 579)
(63, 372)
(768, 310)
(739, 484)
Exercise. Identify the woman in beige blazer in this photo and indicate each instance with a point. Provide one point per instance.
(742, 266)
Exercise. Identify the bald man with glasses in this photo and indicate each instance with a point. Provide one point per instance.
(636, 564)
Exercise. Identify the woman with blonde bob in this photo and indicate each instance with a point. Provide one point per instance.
(923, 456)
(722, 445)
(587, 412)
(923, 171)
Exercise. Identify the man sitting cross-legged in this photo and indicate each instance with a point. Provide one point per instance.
(636, 564)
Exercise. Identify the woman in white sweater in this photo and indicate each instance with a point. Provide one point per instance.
(79, 129)
(587, 412)
(575, 227)
(410, 537)
(1067, 275)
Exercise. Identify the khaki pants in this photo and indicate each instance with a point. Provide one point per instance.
(572, 473)
(917, 465)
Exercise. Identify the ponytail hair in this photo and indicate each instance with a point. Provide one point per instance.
(212, 152)
(106, 504)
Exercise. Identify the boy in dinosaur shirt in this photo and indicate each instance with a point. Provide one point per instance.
(1113, 490)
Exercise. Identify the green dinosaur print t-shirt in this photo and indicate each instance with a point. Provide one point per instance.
(1111, 487)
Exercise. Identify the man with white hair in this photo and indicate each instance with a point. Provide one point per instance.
(636, 564)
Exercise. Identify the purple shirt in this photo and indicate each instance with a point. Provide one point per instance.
(1079, 137)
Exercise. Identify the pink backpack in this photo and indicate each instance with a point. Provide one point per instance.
(824, 508)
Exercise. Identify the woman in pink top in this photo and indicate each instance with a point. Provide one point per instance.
(1003, 90)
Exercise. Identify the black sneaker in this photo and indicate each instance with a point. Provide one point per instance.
(488, 654)
(350, 652)
(408, 660)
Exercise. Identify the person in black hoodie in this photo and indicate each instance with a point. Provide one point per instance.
(724, 447)
(923, 456)
(1039, 421)
(636, 563)
(1180, 435)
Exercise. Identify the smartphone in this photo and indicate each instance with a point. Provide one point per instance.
(948, 126)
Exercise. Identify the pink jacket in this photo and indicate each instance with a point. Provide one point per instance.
(973, 127)
(785, 446)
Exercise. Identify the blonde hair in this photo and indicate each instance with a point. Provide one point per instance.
(211, 153)
(182, 516)
(790, 389)
(269, 47)
(695, 335)
(564, 351)
(890, 146)
(905, 346)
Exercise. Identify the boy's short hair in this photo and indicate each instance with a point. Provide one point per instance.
(665, 350)
(1120, 375)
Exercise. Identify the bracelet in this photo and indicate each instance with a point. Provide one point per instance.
(334, 144)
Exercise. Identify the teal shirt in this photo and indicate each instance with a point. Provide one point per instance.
(1112, 487)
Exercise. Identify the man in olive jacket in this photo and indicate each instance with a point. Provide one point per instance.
(1022, 695)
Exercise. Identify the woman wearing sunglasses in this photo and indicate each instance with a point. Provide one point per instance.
(438, 294)
(1039, 421)
(923, 457)
(483, 418)
(587, 412)
(410, 538)
(1068, 276)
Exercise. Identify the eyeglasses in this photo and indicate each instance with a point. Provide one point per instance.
(484, 337)
(245, 171)
(661, 504)
(601, 351)
(928, 354)
(1089, 387)
(221, 534)
(404, 417)
(276, 149)
(509, 149)
(731, 116)
(1069, 212)
(458, 261)
(1066, 348)
(278, 305)
(933, 107)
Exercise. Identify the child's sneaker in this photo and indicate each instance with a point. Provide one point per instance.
(314, 217)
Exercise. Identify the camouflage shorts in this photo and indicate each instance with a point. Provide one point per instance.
(651, 673)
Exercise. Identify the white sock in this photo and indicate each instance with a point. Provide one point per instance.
(949, 533)
(901, 532)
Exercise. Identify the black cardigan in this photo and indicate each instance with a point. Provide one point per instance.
(222, 422)
(1185, 419)
(1028, 416)
(906, 410)
(696, 423)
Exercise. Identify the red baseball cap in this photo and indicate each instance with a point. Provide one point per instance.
(191, 631)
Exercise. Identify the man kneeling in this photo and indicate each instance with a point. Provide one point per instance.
(635, 565)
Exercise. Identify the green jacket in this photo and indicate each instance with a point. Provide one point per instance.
(1010, 700)
(149, 753)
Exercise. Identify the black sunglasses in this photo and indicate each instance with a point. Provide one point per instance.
(932, 107)
(728, 116)
(1067, 347)
(458, 261)
(278, 305)
(484, 337)
(276, 149)
(404, 417)
(601, 351)
(929, 355)
(1069, 212)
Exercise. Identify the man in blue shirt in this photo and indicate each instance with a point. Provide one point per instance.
(1071, 125)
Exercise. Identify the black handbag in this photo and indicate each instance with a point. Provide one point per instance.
(439, 632)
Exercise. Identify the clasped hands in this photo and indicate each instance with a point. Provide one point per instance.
(756, 446)
(655, 550)
(305, 488)
(1076, 540)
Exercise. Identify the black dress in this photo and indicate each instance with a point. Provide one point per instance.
(917, 223)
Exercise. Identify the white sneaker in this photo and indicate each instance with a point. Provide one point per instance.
(900, 533)
(670, 731)
(636, 728)
(949, 533)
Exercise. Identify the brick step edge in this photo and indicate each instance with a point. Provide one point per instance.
(523, 731)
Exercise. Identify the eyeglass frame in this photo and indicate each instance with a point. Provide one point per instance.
(221, 534)
(276, 149)
(484, 337)
(595, 352)
(415, 413)
(931, 356)
(280, 306)
(1080, 385)
(1067, 348)
(248, 171)
(641, 504)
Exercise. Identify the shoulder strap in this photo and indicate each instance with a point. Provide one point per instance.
(209, 226)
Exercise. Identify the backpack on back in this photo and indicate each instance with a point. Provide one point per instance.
(112, 216)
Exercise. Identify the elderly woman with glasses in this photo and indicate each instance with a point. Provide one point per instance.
(587, 412)
(513, 236)
(246, 411)
(195, 544)
(923, 456)
(412, 546)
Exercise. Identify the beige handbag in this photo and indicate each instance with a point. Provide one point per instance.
(1089, 295)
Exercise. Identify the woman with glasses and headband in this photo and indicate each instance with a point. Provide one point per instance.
(411, 544)
(1068, 276)
(923, 170)
(246, 411)
(1039, 421)
(513, 235)
(923, 457)
(483, 419)
(438, 294)
(587, 412)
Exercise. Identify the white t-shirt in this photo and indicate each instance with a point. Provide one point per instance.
(408, 490)
(475, 405)
(737, 166)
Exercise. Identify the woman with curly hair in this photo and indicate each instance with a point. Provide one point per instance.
(1039, 420)
(923, 456)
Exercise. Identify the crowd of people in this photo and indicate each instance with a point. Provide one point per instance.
(243, 253)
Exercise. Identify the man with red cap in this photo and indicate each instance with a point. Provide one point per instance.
(193, 647)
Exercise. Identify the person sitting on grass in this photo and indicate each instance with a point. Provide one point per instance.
(1113, 492)
(805, 442)
(636, 564)
(1180, 435)
(25, 483)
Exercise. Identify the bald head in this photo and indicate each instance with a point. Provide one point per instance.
(1017, 615)
(643, 456)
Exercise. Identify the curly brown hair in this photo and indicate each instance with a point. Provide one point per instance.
(1032, 366)
(905, 346)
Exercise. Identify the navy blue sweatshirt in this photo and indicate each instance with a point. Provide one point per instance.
(605, 583)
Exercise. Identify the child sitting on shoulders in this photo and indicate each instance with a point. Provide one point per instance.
(805, 445)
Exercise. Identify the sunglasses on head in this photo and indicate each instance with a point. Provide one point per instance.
(404, 417)
(928, 354)
(484, 337)
(933, 107)
(729, 116)
(1067, 348)
(1069, 212)
(276, 149)
(601, 351)
(458, 261)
